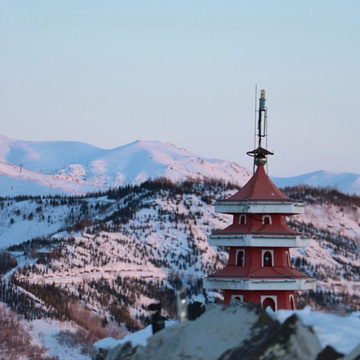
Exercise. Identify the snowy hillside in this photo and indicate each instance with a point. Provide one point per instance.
(99, 261)
(158, 232)
(40, 168)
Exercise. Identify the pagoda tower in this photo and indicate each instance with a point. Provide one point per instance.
(259, 268)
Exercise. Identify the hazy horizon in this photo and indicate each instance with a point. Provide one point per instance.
(185, 72)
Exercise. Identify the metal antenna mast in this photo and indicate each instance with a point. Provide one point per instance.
(255, 113)
(261, 118)
(260, 153)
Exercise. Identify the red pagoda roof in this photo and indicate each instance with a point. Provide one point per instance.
(264, 272)
(259, 187)
(255, 227)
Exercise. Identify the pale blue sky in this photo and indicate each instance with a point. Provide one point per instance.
(111, 72)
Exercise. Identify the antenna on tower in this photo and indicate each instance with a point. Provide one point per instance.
(255, 113)
(260, 153)
(261, 118)
(255, 109)
(266, 136)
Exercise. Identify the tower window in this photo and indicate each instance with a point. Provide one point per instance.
(267, 257)
(240, 257)
(266, 220)
(267, 301)
(287, 259)
(292, 302)
(242, 219)
(238, 298)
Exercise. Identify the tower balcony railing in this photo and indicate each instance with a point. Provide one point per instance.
(259, 206)
(225, 239)
(273, 283)
(223, 232)
(268, 276)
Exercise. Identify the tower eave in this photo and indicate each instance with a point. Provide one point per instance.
(258, 241)
(259, 284)
(259, 207)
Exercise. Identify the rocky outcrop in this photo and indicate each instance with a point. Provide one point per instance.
(227, 333)
(289, 341)
(329, 353)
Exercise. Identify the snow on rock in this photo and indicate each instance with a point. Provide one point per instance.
(354, 355)
(138, 338)
(342, 333)
(236, 332)
(226, 333)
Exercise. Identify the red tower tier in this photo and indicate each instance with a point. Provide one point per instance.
(259, 267)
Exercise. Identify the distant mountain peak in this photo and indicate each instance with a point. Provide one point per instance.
(48, 167)
(344, 182)
(71, 167)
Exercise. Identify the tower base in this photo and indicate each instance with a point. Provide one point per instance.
(277, 300)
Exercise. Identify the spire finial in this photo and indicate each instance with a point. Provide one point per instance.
(260, 153)
(262, 116)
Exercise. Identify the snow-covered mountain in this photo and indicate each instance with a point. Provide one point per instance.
(61, 167)
(64, 167)
(345, 182)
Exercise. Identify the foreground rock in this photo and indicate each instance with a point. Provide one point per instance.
(290, 340)
(226, 333)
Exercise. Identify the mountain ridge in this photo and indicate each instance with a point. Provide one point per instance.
(77, 168)
(343, 181)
